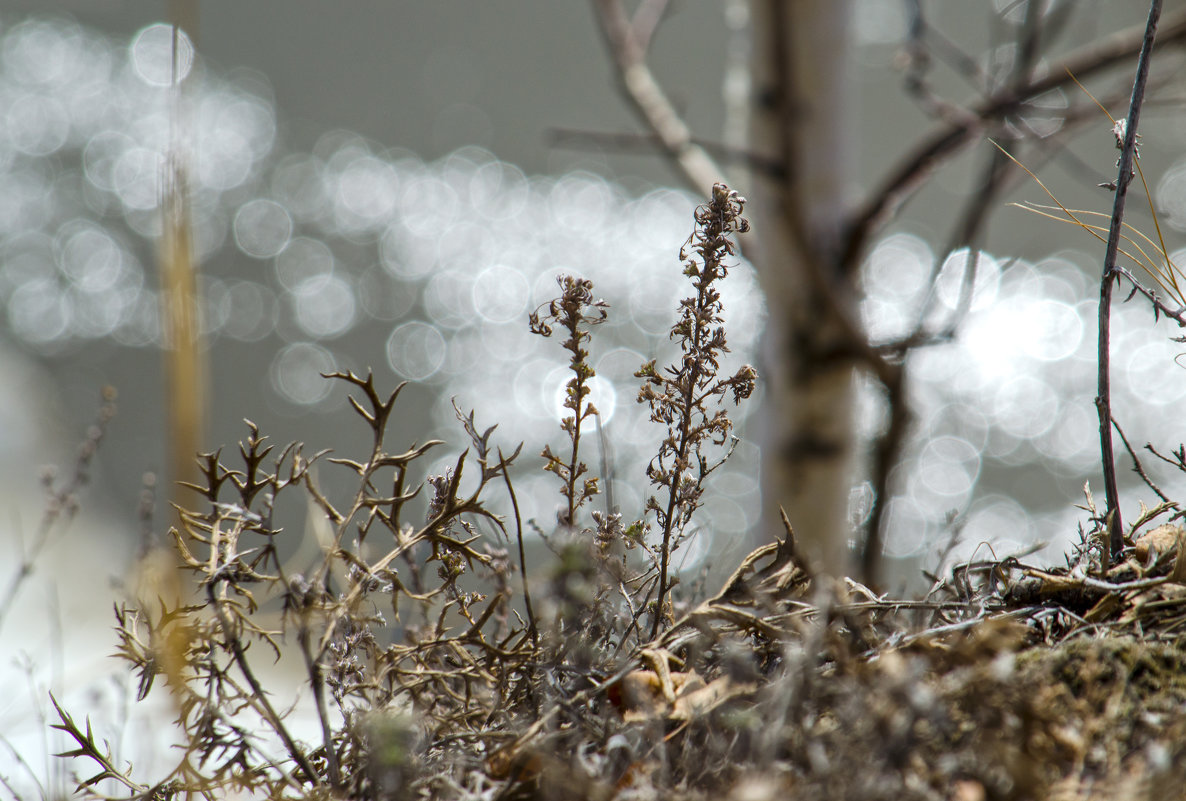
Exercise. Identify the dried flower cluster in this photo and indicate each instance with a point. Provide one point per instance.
(678, 395)
(576, 311)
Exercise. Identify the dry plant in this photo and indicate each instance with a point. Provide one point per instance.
(61, 503)
(678, 394)
(569, 311)
(419, 679)
(419, 676)
(237, 737)
(415, 665)
(1161, 269)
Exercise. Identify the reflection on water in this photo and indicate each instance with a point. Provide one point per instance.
(447, 258)
(443, 261)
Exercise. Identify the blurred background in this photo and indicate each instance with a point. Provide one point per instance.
(394, 186)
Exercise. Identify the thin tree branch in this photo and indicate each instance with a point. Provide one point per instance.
(1124, 176)
(887, 451)
(646, 21)
(699, 169)
(1159, 308)
(947, 139)
(967, 234)
(1137, 467)
(630, 142)
(925, 41)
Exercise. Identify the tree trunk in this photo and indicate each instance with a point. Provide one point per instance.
(802, 85)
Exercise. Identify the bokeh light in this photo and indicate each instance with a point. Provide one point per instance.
(262, 228)
(298, 371)
(159, 57)
(431, 267)
(416, 350)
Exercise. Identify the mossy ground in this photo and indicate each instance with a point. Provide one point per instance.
(846, 696)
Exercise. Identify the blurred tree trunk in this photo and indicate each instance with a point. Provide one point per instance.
(801, 82)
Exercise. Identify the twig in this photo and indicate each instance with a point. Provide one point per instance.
(1124, 586)
(1179, 463)
(630, 142)
(962, 64)
(1137, 467)
(963, 625)
(1124, 176)
(522, 555)
(645, 93)
(268, 712)
(317, 683)
(914, 81)
(949, 138)
(1159, 307)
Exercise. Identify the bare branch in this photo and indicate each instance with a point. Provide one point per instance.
(947, 139)
(630, 142)
(638, 83)
(1159, 307)
(1137, 467)
(646, 21)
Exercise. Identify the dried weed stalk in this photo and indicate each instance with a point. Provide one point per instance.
(677, 395)
(61, 502)
(1160, 267)
(576, 311)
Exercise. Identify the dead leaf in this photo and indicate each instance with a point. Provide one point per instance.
(1156, 541)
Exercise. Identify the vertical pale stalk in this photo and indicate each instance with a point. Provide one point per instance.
(182, 354)
(802, 82)
(185, 374)
(184, 368)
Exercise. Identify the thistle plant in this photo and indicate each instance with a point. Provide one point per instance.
(679, 395)
(575, 311)
(373, 636)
